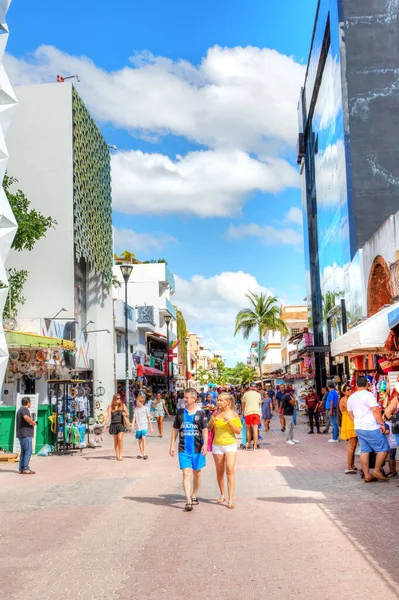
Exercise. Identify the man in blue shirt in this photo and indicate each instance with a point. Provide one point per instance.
(332, 410)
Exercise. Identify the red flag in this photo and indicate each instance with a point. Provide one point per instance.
(60, 79)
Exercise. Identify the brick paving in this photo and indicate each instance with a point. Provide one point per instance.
(89, 527)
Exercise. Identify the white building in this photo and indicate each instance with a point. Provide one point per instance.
(150, 289)
(272, 357)
(296, 319)
(62, 164)
(7, 221)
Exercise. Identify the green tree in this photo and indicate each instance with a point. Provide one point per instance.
(263, 315)
(243, 373)
(32, 226)
(181, 336)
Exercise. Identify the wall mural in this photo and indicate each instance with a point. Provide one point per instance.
(92, 192)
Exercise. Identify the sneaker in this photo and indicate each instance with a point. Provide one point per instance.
(291, 442)
(333, 441)
(296, 441)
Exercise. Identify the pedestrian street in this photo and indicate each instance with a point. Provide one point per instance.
(95, 528)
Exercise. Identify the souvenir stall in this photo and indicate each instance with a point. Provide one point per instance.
(373, 351)
(71, 402)
(33, 359)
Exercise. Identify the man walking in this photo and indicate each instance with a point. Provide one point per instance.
(312, 404)
(191, 423)
(287, 404)
(251, 409)
(332, 410)
(25, 427)
(279, 398)
(324, 394)
(369, 427)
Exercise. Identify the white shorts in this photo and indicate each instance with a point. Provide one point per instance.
(224, 449)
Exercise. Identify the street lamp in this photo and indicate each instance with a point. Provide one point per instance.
(168, 319)
(126, 271)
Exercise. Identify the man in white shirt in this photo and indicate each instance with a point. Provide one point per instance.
(369, 426)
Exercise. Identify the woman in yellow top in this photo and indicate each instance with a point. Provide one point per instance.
(348, 429)
(225, 424)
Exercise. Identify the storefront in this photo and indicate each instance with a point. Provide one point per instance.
(367, 346)
(34, 359)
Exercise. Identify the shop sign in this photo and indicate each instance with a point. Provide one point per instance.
(172, 355)
(158, 354)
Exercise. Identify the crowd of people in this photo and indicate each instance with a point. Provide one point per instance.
(210, 421)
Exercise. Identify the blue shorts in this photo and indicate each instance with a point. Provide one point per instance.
(192, 461)
(372, 440)
(141, 433)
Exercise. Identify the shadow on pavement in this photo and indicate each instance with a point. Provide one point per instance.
(171, 501)
(364, 513)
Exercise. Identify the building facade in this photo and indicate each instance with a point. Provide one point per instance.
(8, 224)
(150, 289)
(62, 164)
(296, 320)
(348, 156)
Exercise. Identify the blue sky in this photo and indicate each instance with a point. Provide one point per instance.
(199, 99)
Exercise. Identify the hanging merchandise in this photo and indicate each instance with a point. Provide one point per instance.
(98, 404)
(24, 356)
(41, 355)
(14, 355)
(101, 419)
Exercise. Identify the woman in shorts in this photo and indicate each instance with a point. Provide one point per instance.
(159, 409)
(225, 424)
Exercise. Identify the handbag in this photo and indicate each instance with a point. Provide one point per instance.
(395, 423)
(126, 421)
(211, 436)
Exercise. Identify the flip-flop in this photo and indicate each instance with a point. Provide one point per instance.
(369, 479)
(221, 500)
(231, 505)
(145, 457)
(194, 501)
(188, 507)
(139, 456)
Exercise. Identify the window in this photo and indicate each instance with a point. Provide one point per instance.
(295, 330)
(120, 343)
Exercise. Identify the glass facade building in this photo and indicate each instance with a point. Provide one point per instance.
(350, 180)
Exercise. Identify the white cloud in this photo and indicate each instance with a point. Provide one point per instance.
(294, 215)
(236, 98)
(212, 183)
(267, 234)
(144, 243)
(210, 306)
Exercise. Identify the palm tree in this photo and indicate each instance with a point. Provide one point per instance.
(264, 315)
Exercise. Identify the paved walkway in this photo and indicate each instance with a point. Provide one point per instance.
(89, 527)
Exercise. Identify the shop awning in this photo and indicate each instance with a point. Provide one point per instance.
(366, 338)
(393, 318)
(18, 339)
(151, 371)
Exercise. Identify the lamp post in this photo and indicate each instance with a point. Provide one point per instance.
(168, 319)
(126, 272)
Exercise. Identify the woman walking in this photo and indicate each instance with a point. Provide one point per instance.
(225, 424)
(348, 429)
(159, 409)
(116, 411)
(267, 410)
